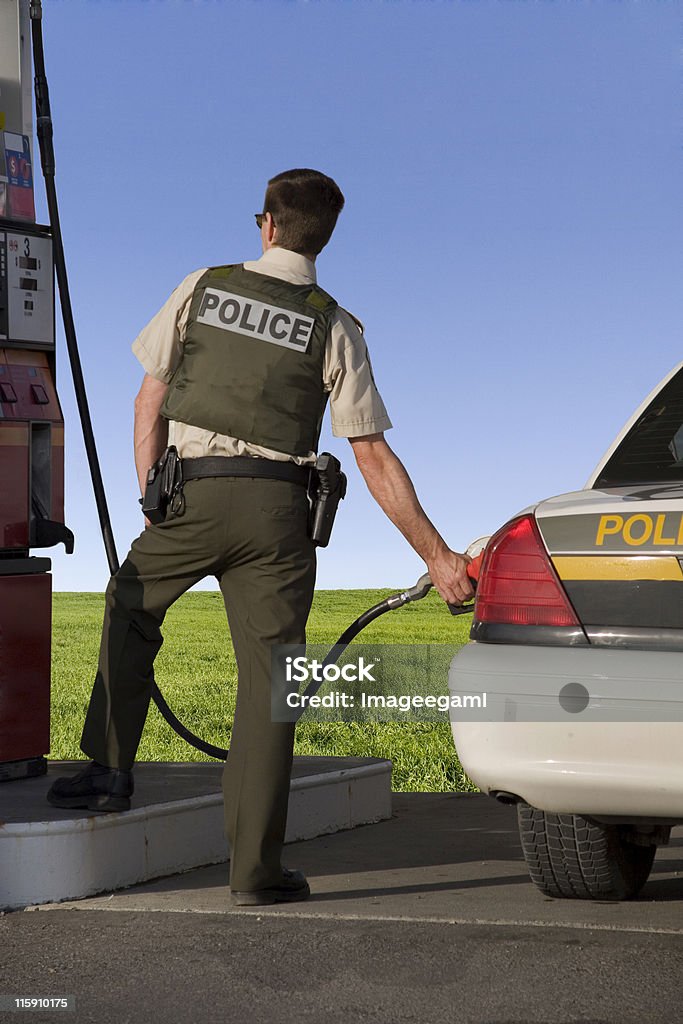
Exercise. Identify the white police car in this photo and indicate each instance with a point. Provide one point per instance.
(577, 643)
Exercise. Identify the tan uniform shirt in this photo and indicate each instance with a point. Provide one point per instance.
(355, 403)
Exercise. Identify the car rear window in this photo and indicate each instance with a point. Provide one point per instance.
(652, 450)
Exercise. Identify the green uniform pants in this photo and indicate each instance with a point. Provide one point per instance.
(251, 535)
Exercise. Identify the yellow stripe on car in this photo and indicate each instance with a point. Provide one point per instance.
(610, 567)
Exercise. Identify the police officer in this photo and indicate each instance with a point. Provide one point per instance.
(240, 363)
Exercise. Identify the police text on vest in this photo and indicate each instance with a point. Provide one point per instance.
(255, 319)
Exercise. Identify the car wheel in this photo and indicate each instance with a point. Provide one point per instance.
(572, 858)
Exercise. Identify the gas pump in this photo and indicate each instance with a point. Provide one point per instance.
(31, 425)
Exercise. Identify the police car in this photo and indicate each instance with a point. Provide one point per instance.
(577, 647)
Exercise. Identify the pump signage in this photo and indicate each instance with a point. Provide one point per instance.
(16, 164)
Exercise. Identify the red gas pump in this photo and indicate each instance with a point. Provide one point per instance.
(31, 446)
(31, 494)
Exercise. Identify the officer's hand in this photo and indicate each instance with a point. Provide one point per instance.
(448, 571)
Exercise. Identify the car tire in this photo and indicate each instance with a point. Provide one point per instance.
(569, 857)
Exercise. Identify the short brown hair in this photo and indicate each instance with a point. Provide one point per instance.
(304, 205)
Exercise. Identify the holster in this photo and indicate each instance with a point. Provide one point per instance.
(164, 482)
(327, 487)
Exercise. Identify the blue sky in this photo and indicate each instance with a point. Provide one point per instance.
(511, 237)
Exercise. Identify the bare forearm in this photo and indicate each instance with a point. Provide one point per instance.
(150, 441)
(392, 489)
(150, 432)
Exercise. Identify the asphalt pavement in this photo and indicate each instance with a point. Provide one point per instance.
(427, 917)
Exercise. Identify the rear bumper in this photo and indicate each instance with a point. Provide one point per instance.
(621, 756)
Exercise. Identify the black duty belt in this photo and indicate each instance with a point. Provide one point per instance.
(244, 465)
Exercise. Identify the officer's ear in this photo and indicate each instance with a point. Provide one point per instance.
(269, 230)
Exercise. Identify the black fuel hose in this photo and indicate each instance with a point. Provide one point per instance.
(47, 159)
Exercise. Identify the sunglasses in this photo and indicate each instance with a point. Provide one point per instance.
(259, 220)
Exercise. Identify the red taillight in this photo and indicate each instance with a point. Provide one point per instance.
(517, 583)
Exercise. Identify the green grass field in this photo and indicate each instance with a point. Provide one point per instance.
(196, 672)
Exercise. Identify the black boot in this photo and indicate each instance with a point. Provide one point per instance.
(292, 888)
(94, 788)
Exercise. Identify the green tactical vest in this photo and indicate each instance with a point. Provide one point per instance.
(252, 366)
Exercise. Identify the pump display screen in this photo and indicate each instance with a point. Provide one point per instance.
(26, 288)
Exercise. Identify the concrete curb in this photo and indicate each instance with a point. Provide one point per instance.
(50, 861)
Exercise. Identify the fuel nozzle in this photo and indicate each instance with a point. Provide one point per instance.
(420, 590)
(424, 585)
(474, 568)
(475, 551)
(473, 574)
